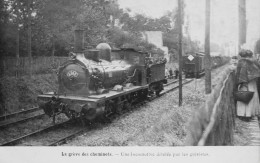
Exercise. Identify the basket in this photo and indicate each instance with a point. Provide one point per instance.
(244, 96)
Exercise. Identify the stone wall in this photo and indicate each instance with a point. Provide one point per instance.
(214, 123)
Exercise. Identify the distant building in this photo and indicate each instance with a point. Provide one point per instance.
(155, 37)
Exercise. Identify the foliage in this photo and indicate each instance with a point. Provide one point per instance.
(53, 22)
(257, 47)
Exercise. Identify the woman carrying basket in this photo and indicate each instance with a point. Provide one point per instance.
(248, 70)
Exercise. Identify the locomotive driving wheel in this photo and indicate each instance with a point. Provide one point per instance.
(119, 106)
(83, 120)
(83, 117)
(157, 93)
(70, 114)
(127, 105)
(109, 110)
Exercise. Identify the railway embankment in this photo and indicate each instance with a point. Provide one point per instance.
(216, 123)
(21, 93)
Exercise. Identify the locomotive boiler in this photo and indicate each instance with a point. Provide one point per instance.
(85, 76)
(96, 83)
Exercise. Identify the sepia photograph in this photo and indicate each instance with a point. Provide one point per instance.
(130, 80)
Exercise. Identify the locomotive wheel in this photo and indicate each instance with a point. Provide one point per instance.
(157, 93)
(120, 105)
(109, 110)
(197, 75)
(127, 105)
(160, 89)
(70, 114)
(142, 95)
(83, 120)
(145, 94)
(119, 108)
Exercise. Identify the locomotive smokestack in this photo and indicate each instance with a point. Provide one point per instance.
(79, 41)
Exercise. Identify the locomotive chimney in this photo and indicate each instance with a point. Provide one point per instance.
(79, 41)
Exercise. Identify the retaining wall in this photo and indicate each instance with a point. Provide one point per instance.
(214, 123)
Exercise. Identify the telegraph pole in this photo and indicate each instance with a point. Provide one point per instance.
(241, 23)
(180, 49)
(207, 50)
(29, 31)
(17, 37)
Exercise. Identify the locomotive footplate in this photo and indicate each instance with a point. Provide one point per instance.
(74, 106)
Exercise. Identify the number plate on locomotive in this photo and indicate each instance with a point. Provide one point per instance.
(72, 74)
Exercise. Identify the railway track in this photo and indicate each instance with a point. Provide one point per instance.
(21, 117)
(8, 124)
(172, 82)
(168, 89)
(19, 140)
(6, 120)
(16, 114)
(59, 133)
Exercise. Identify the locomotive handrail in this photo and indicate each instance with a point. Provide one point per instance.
(133, 74)
(129, 77)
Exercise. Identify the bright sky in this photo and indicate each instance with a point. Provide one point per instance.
(224, 16)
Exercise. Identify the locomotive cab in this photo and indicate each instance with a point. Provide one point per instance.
(138, 62)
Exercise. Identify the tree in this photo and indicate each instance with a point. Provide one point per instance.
(29, 12)
(53, 23)
(17, 11)
(257, 47)
(3, 23)
(56, 22)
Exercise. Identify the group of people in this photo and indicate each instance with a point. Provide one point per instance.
(248, 79)
(169, 73)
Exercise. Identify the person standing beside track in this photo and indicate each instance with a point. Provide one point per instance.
(247, 74)
(258, 79)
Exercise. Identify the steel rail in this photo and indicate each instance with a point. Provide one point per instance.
(64, 139)
(73, 135)
(171, 89)
(18, 140)
(8, 116)
(172, 82)
(4, 125)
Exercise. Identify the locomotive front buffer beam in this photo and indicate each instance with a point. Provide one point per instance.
(72, 107)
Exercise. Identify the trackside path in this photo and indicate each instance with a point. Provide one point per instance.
(254, 132)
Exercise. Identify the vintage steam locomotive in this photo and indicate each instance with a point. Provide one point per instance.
(96, 83)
